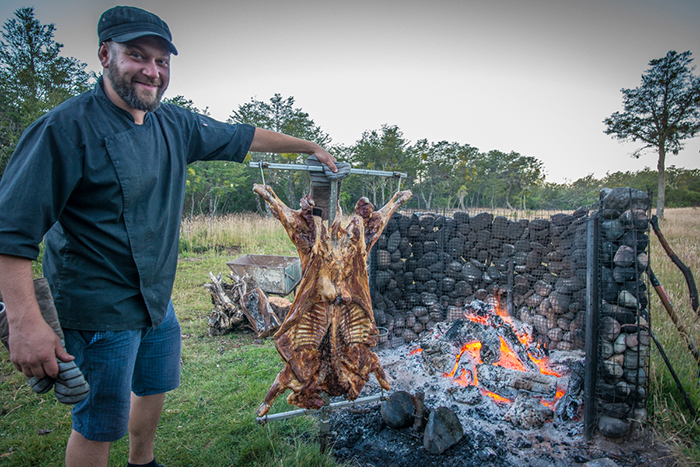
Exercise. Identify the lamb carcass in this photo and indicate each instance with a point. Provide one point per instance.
(326, 338)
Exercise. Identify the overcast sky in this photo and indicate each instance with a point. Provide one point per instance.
(532, 76)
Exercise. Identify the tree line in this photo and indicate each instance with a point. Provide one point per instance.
(443, 175)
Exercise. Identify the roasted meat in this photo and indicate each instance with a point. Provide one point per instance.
(326, 338)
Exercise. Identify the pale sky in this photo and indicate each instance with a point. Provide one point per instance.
(532, 76)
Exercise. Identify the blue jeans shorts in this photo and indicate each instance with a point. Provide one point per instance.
(115, 364)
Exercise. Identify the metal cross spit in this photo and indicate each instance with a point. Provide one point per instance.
(334, 183)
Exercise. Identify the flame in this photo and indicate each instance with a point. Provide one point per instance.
(478, 319)
(473, 348)
(503, 313)
(415, 351)
(542, 365)
(509, 359)
(552, 403)
(498, 399)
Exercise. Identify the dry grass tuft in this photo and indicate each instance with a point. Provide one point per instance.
(669, 414)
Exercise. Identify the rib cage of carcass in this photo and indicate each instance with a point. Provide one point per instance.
(326, 338)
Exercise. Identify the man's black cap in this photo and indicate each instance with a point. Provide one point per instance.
(126, 23)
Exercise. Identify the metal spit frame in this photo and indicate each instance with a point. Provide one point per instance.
(325, 411)
(334, 183)
(328, 407)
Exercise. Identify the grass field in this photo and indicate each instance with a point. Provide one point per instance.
(210, 419)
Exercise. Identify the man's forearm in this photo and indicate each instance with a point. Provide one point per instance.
(17, 287)
(270, 141)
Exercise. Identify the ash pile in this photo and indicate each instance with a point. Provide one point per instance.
(474, 391)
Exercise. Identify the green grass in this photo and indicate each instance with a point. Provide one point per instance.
(210, 418)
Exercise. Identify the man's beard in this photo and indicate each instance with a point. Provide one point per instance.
(127, 91)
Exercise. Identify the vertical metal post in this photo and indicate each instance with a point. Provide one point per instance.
(592, 323)
(325, 428)
(510, 306)
(333, 202)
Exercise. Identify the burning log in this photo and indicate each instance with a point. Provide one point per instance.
(508, 383)
(527, 412)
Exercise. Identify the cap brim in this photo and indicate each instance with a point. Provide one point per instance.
(135, 35)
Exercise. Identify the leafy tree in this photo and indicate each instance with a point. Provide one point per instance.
(34, 78)
(443, 172)
(279, 114)
(386, 150)
(661, 113)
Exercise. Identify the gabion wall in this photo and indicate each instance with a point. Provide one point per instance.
(426, 267)
(624, 341)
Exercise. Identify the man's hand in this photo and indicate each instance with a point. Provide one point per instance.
(271, 141)
(324, 157)
(34, 347)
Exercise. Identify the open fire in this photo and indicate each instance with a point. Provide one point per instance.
(468, 364)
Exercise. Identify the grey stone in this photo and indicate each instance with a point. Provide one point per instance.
(627, 299)
(625, 256)
(560, 302)
(612, 368)
(624, 198)
(609, 328)
(620, 343)
(612, 427)
(637, 376)
(443, 431)
(398, 410)
(393, 242)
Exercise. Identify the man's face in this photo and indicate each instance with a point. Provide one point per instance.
(139, 71)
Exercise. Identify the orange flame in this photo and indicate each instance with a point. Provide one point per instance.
(552, 403)
(542, 365)
(498, 399)
(473, 348)
(415, 351)
(509, 359)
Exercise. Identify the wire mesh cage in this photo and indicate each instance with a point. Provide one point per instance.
(624, 321)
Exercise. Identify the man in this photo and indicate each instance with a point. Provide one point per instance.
(103, 177)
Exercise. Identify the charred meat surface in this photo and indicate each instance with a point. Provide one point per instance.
(326, 338)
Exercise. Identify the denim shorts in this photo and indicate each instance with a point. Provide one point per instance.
(115, 364)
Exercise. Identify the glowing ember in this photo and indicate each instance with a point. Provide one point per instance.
(508, 358)
(478, 319)
(473, 348)
(552, 403)
(542, 365)
(415, 351)
(498, 399)
(467, 375)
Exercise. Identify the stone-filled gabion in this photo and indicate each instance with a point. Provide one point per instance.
(624, 318)
(430, 266)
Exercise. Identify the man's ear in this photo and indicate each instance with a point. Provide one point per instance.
(104, 53)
